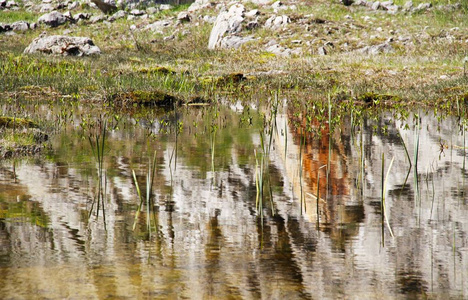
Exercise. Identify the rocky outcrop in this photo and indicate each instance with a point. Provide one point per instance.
(63, 45)
(227, 22)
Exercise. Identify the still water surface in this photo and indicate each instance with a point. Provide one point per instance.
(208, 241)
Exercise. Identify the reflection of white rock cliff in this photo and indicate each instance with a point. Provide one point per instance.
(210, 241)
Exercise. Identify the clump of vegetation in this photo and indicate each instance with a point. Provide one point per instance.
(143, 98)
(375, 99)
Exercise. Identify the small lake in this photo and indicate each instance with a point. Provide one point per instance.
(69, 226)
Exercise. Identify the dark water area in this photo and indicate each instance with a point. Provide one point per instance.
(66, 234)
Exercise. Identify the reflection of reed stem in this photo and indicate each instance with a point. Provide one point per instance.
(147, 198)
(416, 154)
(97, 143)
(384, 191)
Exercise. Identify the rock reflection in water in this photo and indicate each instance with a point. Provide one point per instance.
(209, 242)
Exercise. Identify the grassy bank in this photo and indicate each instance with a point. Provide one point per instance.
(425, 66)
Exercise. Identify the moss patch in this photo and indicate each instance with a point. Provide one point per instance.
(157, 70)
(10, 122)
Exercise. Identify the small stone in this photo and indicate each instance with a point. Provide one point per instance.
(158, 26)
(408, 5)
(20, 26)
(277, 5)
(360, 3)
(386, 3)
(151, 10)
(118, 15)
(200, 4)
(375, 5)
(137, 12)
(165, 7)
(68, 15)
(277, 22)
(46, 8)
(184, 17)
(97, 19)
(234, 41)
(393, 9)
(252, 13)
(11, 4)
(209, 19)
(424, 6)
(73, 5)
(252, 25)
(376, 49)
(322, 51)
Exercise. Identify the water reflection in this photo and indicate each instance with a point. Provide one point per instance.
(208, 241)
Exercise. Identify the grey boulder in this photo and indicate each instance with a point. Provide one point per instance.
(53, 19)
(20, 26)
(63, 45)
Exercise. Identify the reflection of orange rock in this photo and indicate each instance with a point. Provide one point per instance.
(337, 218)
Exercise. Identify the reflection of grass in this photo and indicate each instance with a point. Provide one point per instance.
(147, 197)
(24, 211)
(262, 174)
